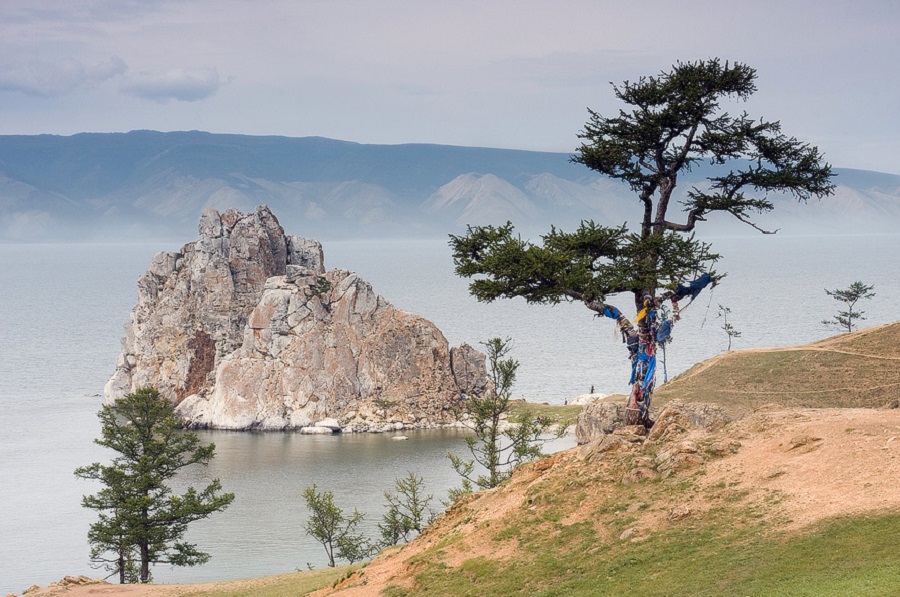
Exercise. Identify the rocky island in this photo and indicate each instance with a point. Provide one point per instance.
(245, 329)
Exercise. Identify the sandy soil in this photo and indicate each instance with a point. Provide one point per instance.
(825, 462)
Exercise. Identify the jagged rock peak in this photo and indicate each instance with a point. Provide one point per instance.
(193, 304)
(244, 329)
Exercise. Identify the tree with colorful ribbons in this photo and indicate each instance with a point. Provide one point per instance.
(672, 122)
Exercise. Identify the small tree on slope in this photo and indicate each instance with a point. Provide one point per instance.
(671, 122)
(336, 531)
(139, 516)
(729, 329)
(408, 510)
(497, 446)
(849, 296)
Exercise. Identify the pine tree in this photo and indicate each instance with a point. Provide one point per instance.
(729, 329)
(496, 446)
(141, 521)
(669, 124)
(408, 510)
(849, 296)
(336, 531)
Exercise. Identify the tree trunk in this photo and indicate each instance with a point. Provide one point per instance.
(145, 563)
(329, 549)
(643, 299)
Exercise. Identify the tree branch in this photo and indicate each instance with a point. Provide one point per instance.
(694, 216)
(751, 223)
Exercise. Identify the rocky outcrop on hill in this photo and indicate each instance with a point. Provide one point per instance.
(66, 585)
(599, 419)
(244, 329)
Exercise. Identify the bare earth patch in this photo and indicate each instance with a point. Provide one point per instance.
(825, 462)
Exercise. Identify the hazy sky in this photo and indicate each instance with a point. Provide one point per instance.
(495, 73)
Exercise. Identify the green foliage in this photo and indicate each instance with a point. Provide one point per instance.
(587, 264)
(675, 121)
(408, 510)
(672, 122)
(336, 531)
(140, 519)
(849, 296)
(384, 403)
(496, 447)
(321, 287)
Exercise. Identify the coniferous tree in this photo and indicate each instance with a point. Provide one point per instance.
(336, 531)
(670, 123)
(141, 521)
(408, 510)
(849, 296)
(728, 328)
(496, 446)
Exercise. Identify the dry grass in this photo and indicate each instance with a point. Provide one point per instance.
(555, 413)
(858, 370)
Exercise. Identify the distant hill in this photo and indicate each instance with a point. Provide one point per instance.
(154, 185)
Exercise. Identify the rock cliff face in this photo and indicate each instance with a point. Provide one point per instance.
(244, 329)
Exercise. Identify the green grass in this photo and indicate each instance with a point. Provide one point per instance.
(849, 556)
(554, 413)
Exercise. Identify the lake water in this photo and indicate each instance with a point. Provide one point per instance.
(62, 308)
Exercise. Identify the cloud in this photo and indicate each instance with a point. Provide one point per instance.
(186, 85)
(44, 78)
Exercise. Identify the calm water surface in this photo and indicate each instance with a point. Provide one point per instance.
(61, 313)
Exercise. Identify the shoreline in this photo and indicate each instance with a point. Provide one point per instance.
(332, 426)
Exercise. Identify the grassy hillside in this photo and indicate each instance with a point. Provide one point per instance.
(861, 369)
(778, 512)
(798, 499)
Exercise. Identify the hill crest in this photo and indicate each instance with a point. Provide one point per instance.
(859, 369)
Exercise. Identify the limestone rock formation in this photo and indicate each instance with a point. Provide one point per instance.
(244, 329)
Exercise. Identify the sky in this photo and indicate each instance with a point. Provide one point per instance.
(517, 74)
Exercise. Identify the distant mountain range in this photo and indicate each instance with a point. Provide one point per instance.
(152, 185)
